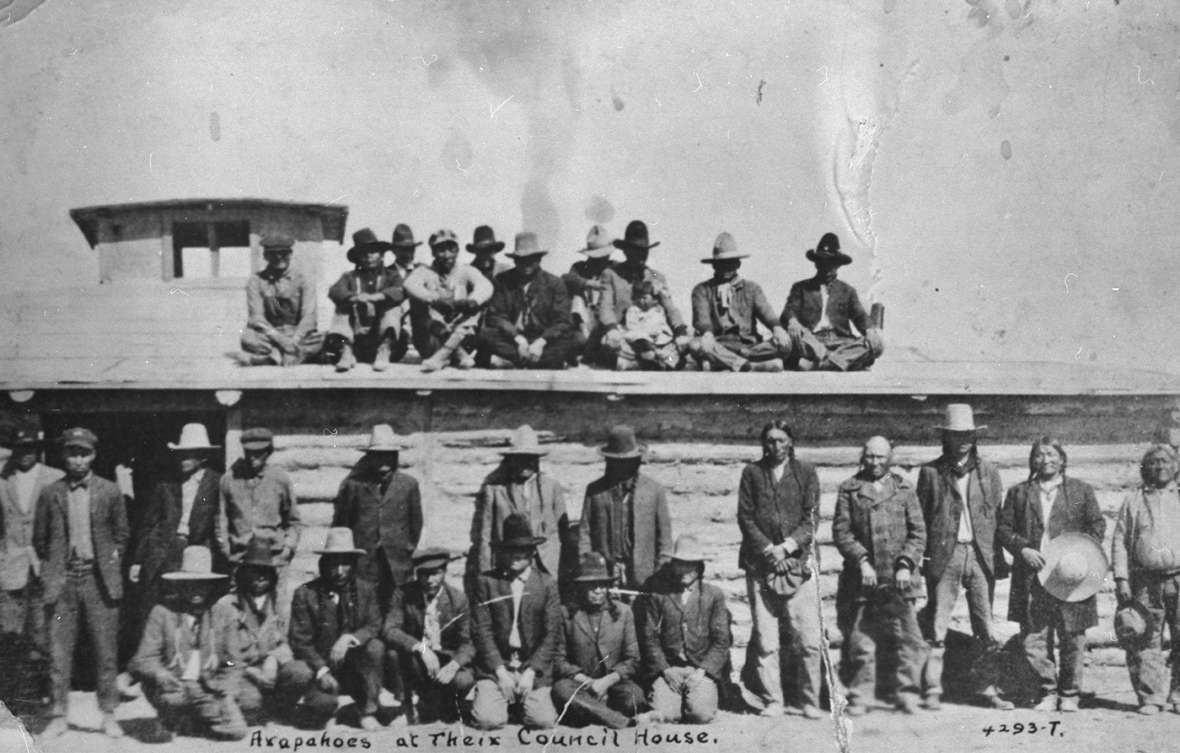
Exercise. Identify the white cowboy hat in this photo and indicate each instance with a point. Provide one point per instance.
(196, 563)
(725, 247)
(523, 441)
(960, 417)
(193, 437)
(1075, 567)
(339, 541)
(383, 439)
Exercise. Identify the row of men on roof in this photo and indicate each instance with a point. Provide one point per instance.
(630, 635)
(603, 312)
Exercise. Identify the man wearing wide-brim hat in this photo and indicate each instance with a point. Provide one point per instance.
(1047, 523)
(684, 637)
(484, 248)
(821, 312)
(726, 312)
(336, 637)
(428, 628)
(280, 310)
(382, 506)
(961, 495)
(187, 661)
(625, 513)
(367, 323)
(528, 322)
(585, 283)
(1146, 558)
(519, 486)
(516, 627)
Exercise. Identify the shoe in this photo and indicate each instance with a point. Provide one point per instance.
(772, 366)
(369, 723)
(496, 362)
(907, 704)
(811, 712)
(1069, 703)
(381, 359)
(464, 360)
(347, 359)
(386, 699)
(1149, 709)
(292, 359)
(997, 703)
(110, 727)
(932, 702)
(399, 722)
(158, 733)
(57, 727)
(806, 364)
(1049, 703)
(648, 717)
(856, 709)
(774, 708)
(432, 364)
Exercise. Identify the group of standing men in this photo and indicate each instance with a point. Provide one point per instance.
(604, 312)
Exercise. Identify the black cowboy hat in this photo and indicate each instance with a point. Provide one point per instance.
(259, 553)
(485, 240)
(23, 437)
(517, 534)
(828, 249)
(592, 569)
(635, 237)
(365, 240)
(403, 237)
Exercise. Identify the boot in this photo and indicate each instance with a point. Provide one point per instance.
(439, 360)
(347, 360)
(381, 359)
(1048, 703)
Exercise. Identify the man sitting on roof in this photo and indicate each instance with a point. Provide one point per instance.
(280, 311)
(367, 322)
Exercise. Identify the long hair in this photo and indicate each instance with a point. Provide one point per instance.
(1155, 449)
(780, 425)
(1046, 441)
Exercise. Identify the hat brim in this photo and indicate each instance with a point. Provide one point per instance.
(387, 448)
(535, 451)
(379, 246)
(596, 253)
(531, 542)
(353, 552)
(842, 258)
(515, 255)
(257, 563)
(624, 245)
(258, 444)
(193, 448)
(963, 430)
(594, 579)
(714, 259)
(435, 562)
(183, 576)
(689, 560)
(476, 248)
(1096, 567)
(77, 443)
(29, 444)
(638, 452)
(401, 244)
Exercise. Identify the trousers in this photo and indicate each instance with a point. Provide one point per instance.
(833, 352)
(681, 702)
(188, 703)
(494, 342)
(885, 620)
(83, 596)
(435, 700)
(731, 353)
(491, 709)
(963, 572)
(359, 676)
(581, 707)
(308, 346)
(791, 622)
(1148, 658)
(23, 611)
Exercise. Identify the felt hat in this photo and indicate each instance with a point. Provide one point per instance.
(339, 541)
(828, 249)
(1130, 622)
(196, 563)
(403, 237)
(443, 237)
(78, 437)
(621, 444)
(688, 549)
(724, 248)
(1075, 567)
(383, 439)
(517, 533)
(259, 553)
(276, 242)
(23, 437)
(365, 240)
(592, 569)
(960, 417)
(527, 245)
(635, 236)
(485, 240)
(257, 438)
(599, 243)
(523, 441)
(192, 437)
(432, 557)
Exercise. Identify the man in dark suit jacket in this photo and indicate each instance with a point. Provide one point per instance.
(335, 637)
(1035, 512)
(80, 533)
(960, 494)
(517, 630)
(625, 514)
(819, 313)
(383, 508)
(599, 654)
(429, 627)
(528, 322)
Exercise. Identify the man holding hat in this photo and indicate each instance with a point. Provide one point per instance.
(819, 311)
(625, 514)
(528, 319)
(428, 625)
(726, 311)
(599, 655)
(280, 310)
(446, 302)
(518, 487)
(585, 282)
(484, 248)
(187, 660)
(335, 637)
(24, 477)
(382, 506)
(960, 494)
(1047, 522)
(80, 534)
(517, 629)
(685, 637)
(1146, 557)
(367, 324)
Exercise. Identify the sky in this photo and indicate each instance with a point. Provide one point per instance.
(1004, 173)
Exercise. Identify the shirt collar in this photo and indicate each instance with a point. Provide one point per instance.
(524, 575)
(272, 276)
(1049, 486)
(82, 483)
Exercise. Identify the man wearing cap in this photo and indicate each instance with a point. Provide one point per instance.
(599, 654)
(585, 282)
(878, 530)
(24, 477)
(960, 493)
(778, 504)
(429, 627)
(446, 302)
(818, 313)
(517, 629)
(367, 324)
(726, 311)
(181, 511)
(259, 502)
(617, 291)
(335, 637)
(684, 637)
(528, 321)
(383, 508)
(80, 534)
(1036, 513)
(280, 310)
(484, 248)
(187, 660)
(518, 486)
(250, 618)
(625, 514)
(1146, 558)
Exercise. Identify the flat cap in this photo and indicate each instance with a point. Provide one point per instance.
(78, 437)
(257, 438)
(276, 241)
(439, 237)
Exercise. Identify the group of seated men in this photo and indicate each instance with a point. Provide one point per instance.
(604, 312)
(628, 635)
